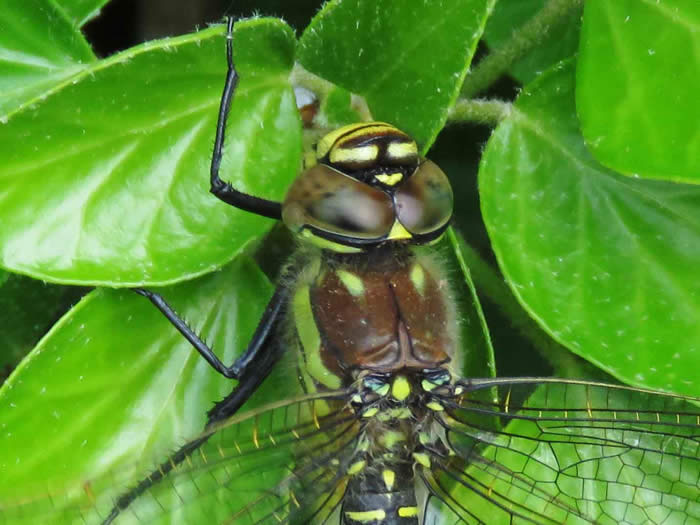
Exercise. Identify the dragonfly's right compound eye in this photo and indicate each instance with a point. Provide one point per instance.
(424, 202)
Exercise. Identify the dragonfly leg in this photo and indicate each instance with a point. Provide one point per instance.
(223, 190)
(262, 334)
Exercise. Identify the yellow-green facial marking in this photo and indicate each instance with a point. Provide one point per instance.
(390, 179)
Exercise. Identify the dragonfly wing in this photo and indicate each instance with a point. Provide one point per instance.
(570, 452)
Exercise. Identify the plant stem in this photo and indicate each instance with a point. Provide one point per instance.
(531, 34)
(481, 111)
(490, 282)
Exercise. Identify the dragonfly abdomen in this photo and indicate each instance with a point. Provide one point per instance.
(383, 494)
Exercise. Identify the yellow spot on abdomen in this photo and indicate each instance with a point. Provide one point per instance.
(367, 515)
(407, 512)
(389, 477)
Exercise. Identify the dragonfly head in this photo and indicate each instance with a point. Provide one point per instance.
(367, 186)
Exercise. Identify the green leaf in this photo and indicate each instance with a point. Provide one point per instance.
(561, 41)
(81, 11)
(476, 350)
(638, 67)
(408, 61)
(107, 181)
(39, 49)
(28, 308)
(607, 264)
(115, 385)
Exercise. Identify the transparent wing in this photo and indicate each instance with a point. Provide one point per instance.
(281, 463)
(557, 451)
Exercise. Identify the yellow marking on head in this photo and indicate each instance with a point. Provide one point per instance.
(407, 512)
(389, 178)
(352, 282)
(357, 398)
(367, 515)
(370, 128)
(354, 154)
(402, 150)
(370, 412)
(459, 390)
(417, 275)
(356, 467)
(325, 244)
(389, 477)
(435, 406)
(327, 142)
(400, 388)
(422, 459)
(398, 232)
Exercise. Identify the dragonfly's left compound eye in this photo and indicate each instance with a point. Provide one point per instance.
(330, 201)
(424, 202)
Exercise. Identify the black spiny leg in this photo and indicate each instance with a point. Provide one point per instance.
(263, 332)
(250, 380)
(223, 190)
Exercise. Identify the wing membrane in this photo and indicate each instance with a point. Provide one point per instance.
(570, 451)
(274, 464)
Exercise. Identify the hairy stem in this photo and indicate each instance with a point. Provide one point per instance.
(531, 34)
(481, 111)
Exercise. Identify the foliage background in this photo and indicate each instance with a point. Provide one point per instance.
(602, 258)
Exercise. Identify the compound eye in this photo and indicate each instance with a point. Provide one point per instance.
(333, 202)
(424, 202)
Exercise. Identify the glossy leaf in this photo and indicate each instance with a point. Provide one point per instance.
(115, 166)
(33, 60)
(407, 60)
(561, 41)
(114, 384)
(607, 264)
(81, 11)
(476, 350)
(638, 61)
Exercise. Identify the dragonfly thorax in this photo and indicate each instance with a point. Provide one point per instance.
(388, 314)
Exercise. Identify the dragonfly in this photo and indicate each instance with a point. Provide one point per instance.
(385, 429)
